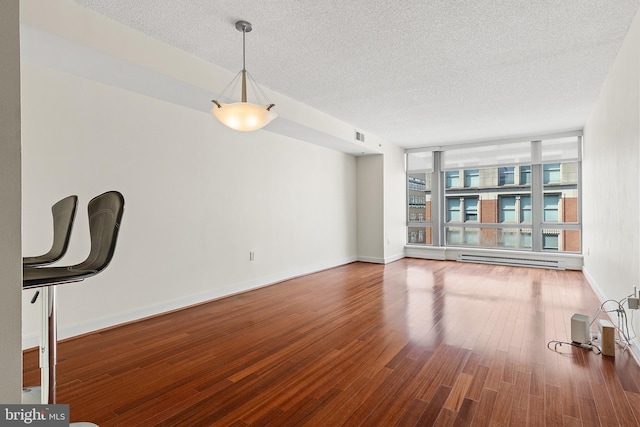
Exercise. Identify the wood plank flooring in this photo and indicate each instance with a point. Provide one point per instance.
(411, 343)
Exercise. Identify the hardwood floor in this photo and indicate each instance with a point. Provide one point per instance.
(415, 342)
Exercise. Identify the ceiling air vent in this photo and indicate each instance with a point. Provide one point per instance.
(359, 136)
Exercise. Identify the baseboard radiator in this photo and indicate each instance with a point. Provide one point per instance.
(513, 261)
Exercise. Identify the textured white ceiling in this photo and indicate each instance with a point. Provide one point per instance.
(414, 72)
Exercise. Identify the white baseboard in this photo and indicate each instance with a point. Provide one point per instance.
(385, 260)
(591, 281)
(374, 260)
(425, 252)
(93, 325)
(393, 258)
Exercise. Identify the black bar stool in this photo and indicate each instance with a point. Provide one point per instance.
(105, 214)
(63, 214)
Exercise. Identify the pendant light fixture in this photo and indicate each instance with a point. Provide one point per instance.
(243, 115)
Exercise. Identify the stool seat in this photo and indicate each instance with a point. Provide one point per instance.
(49, 276)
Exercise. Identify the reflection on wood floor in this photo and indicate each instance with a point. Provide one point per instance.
(414, 342)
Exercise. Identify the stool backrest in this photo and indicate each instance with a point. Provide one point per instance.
(105, 214)
(63, 212)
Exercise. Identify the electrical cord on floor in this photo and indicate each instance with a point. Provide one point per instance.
(622, 328)
(623, 322)
(589, 346)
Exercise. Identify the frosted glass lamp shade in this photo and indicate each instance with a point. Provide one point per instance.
(243, 116)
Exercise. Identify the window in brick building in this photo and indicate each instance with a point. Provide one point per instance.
(471, 177)
(471, 237)
(452, 179)
(462, 209)
(561, 182)
(506, 175)
(507, 208)
(525, 210)
(471, 209)
(551, 173)
(462, 236)
(515, 238)
(550, 240)
(550, 207)
(514, 208)
(454, 236)
(453, 209)
(525, 175)
(509, 239)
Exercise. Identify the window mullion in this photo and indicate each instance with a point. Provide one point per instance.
(537, 197)
(438, 204)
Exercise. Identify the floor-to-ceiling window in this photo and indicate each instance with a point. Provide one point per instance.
(419, 173)
(517, 195)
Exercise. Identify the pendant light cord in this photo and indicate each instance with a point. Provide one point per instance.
(244, 68)
(244, 32)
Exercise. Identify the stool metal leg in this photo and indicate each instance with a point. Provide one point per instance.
(44, 346)
(48, 350)
(52, 323)
(48, 346)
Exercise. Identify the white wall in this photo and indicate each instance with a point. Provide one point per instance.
(199, 198)
(370, 208)
(611, 161)
(382, 203)
(106, 107)
(10, 253)
(395, 202)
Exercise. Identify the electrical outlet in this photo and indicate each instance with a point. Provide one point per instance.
(633, 303)
(252, 256)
